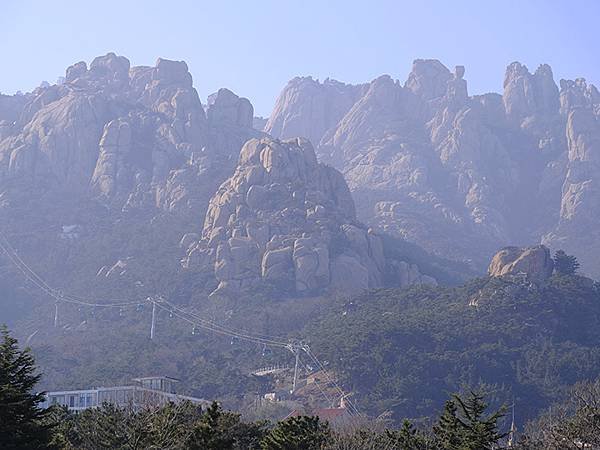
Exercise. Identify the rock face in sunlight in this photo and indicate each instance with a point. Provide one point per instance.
(535, 263)
(134, 137)
(308, 108)
(461, 175)
(577, 229)
(285, 219)
(118, 149)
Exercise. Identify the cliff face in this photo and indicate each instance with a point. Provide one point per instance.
(118, 152)
(308, 108)
(577, 228)
(285, 219)
(463, 175)
(134, 137)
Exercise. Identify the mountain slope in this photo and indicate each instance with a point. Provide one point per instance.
(461, 174)
(404, 350)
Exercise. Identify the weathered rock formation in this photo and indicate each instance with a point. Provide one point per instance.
(577, 230)
(533, 263)
(134, 137)
(462, 175)
(308, 108)
(132, 150)
(285, 219)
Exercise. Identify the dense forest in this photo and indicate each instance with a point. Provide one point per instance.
(404, 350)
(401, 351)
(466, 422)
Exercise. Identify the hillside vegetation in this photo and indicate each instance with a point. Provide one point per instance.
(404, 350)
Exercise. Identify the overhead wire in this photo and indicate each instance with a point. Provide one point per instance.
(195, 320)
(332, 381)
(323, 393)
(238, 333)
(38, 281)
(230, 333)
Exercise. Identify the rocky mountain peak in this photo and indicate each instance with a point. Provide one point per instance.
(428, 78)
(131, 136)
(172, 72)
(526, 94)
(108, 72)
(427, 161)
(224, 107)
(578, 94)
(110, 66)
(309, 108)
(285, 219)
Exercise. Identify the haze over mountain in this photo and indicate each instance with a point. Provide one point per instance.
(345, 224)
(460, 174)
(120, 183)
(116, 150)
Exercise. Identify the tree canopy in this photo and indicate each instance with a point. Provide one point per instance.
(22, 421)
(565, 264)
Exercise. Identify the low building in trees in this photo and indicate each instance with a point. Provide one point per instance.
(147, 392)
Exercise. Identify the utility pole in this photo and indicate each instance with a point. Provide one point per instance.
(296, 347)
(58, 296)
(296, 371)
(152, 326)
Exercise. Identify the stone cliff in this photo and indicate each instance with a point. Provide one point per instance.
(135, 137)
(119, 151)
(460, 174)
(285, 219)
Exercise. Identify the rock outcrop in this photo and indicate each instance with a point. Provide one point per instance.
(458, 174)
(133, 137)
(285, 219)
(577, 230)
(533, 263)
(130, 150)
(308, 108)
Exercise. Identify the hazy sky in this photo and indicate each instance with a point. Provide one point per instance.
(255, 46)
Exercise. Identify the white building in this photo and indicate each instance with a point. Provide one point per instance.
(148, 392)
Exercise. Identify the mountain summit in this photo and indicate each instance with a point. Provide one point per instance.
(460, 174)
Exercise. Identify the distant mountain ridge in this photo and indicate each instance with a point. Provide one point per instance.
(116, 151)
(460, 175)
(119, 183)
(131, 136)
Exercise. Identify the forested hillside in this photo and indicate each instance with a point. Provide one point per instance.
(404, 350)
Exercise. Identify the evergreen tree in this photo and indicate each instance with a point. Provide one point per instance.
(479, 432)
(565, 264)
(171, 425)
(463, 424)
(224, 430)
(21, 419)
(449, 430)
(297, 433)
(408, 438)
(207, 433)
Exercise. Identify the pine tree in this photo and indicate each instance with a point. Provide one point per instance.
(21, 419)
(449, 430)
(208, 434)
(464, 425)
(297, 433)
(565, 264)
(220, 430)
(408, 438)
(479, 432)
